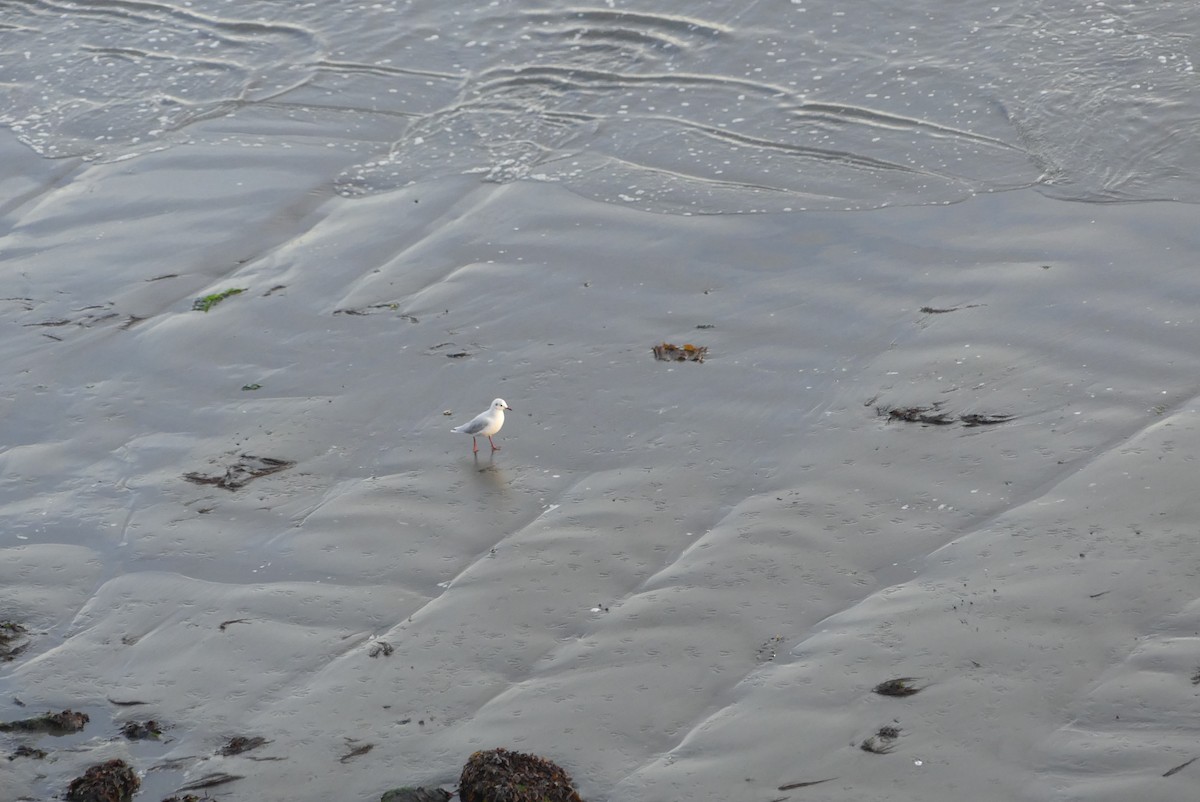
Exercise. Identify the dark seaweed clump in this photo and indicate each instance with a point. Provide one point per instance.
(11, 640)
(64, 723)
(935, 415)
(113, 781)
(901, 686)
(882, 742)
(141, 730)
(246, 469)
(241, 743)
(498, 775)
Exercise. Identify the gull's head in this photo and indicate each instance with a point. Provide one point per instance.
(499, 404)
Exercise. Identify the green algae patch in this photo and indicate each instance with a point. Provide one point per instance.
(207, 302)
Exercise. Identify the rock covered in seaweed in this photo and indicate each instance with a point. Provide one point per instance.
(113, 781)
(12, 640)
(498, 775)
(64, 723)
(141, 730)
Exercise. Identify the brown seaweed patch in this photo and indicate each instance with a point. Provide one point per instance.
(241, 743)
(932, 415)
(12, 640)
(900, 686)
(498, 775)
(113, 781)
(141, 730)
(24, 750)
(355, 751)
(882, 742)
(977, 419)
(244, 470)
(936, 415)
(669, 352)
(64, 723)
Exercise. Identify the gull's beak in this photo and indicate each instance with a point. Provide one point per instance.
(509, 409)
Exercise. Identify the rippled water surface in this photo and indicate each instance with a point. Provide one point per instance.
(693, 108)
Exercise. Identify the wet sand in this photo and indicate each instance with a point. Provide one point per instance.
(677, 580)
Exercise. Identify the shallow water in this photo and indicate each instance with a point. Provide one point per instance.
(677, 580)
(696, 109)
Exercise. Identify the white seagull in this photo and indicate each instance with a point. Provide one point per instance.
(485, 423)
